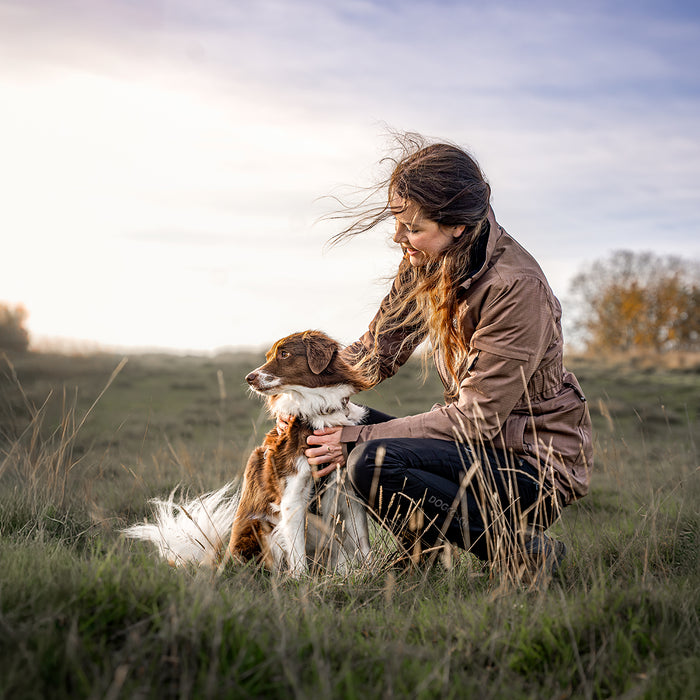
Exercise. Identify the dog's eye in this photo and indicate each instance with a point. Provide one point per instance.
(284, 354)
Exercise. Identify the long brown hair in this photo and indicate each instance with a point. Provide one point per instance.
(447, 185)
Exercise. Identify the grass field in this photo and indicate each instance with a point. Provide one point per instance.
(85, 613)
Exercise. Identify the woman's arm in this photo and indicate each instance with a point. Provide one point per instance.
(508, 344)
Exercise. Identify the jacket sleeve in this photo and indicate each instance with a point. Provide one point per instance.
(390, 350)
(515, 329)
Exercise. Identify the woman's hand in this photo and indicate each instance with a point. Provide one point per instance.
(328, 449)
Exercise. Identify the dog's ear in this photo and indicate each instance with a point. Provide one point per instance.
(319, 353)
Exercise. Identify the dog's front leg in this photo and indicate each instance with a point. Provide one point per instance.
(340, 506)
(357, 517)
(295, 499)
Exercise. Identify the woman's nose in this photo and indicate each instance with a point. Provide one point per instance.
(399, 234)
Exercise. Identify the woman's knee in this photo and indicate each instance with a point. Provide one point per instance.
(362, 463)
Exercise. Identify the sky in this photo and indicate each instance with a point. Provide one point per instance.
(164, 164)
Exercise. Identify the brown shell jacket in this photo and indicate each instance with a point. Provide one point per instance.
(514, 391)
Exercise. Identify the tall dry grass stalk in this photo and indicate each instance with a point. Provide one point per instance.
(42, 460)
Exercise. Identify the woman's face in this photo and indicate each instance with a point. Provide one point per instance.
(421, 239)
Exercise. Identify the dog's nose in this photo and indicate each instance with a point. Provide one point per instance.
(251, 377)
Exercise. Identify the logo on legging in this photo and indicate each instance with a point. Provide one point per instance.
(445, 507)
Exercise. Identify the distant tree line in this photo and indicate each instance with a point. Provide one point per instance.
(13, 334)
(629, 301)
(639, 301)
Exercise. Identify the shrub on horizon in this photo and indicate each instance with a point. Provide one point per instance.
(14, 337)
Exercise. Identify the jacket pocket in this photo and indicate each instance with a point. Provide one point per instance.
(514, 432)
(559, 423)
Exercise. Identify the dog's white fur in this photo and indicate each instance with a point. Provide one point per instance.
(290, 532)
(321, 407)
(190, 531)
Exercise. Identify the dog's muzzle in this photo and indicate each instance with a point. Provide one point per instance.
(261, 381)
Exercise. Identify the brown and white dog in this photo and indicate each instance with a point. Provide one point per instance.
(305, 379)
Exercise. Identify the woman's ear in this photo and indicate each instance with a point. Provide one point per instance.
(457, 231)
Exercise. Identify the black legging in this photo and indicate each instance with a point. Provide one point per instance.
(393, 475)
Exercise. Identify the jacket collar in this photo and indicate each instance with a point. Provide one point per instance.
(495, 232)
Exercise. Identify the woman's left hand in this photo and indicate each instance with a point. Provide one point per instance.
(327, 448)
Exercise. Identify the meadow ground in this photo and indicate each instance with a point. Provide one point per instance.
(85, 613)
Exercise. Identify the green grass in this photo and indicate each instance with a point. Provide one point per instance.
(84, 613)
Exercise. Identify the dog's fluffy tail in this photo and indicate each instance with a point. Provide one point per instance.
(195, 531)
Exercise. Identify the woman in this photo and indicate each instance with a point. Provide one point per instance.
(493, 467)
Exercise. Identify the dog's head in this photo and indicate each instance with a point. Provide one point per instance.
(309, 359)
